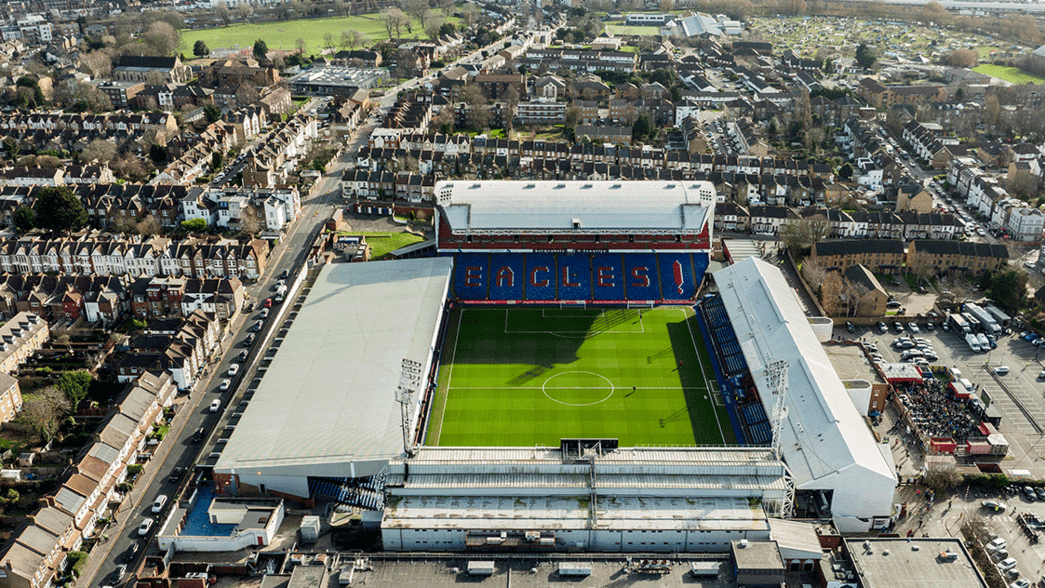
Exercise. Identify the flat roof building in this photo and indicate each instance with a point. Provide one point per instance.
(913, 563)
(326, 406)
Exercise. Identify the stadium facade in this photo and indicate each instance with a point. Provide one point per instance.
(324, 422)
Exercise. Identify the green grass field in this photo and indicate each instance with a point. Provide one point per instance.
(531, 376)
(284, 35)
(382, 242)
(1009, 74)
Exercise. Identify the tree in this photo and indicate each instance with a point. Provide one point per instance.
(1023, 185)
(223, 13)
(244, 11)
(98, 62)
(43, 412)
(447, 29)
(800, 234)
(359, 39)
(813, 272)
(1008, 289)
(148, 226)
(961, 58)
(394, 18)
(846, 171)
(511, 104)
(940, 475)
(212, 113)
(958, 285)
(831, 293)
(100, 150)
(75, 386)
(47, 162)
(865, 56)
(328, 41)
(158, 153)
(415, 8)
(216, 159)
(249, 223)
(59, 210)
(200, 49)
(261, 49)
(163, 38)
(301, 45)
(642, 129)
(444, 121)
(573, 118)
(195, 225)
(24, 218)
(432, 24)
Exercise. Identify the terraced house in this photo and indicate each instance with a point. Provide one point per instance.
(101, 255)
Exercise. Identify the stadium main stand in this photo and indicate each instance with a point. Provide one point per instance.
(575, 241)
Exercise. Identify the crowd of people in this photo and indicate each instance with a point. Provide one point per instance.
(935, 410)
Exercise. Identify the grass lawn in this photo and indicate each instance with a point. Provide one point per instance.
(1009, 74)
(527, 376)
(381, 242)
(283, 35)
(632, 30)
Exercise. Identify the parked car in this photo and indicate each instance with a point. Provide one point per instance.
(249, 340)
(264, 313)
(120, 571)
(159, 503)
(912, 326)
(893, 304)
(882, 327)
(284, 274)
(145, 527)
(176, 474)
(929, 327)
(257, 326)
(1001, 370)
(234, 369)
(215, 405)
(898, 327)
(997, 506)
(268, 303)
(197, 437)
(849, 327)
(225, 384)
(242, 357)
(1007, 564)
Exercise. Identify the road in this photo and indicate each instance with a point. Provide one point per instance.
(178, 449)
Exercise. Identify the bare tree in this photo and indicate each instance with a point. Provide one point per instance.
(1022, 184)
(801, 233)
(44, 410)
(163, 38)
(831, 293)
(813, 272)
(958, 286)
(249, 223)
(100, 150)
(431, 21)
(328, 40)
(244, 11)
(415, 8)
(222, 12)
(98, 62)
(394, 19)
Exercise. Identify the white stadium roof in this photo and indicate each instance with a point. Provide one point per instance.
(559, 205)
(825, 442)
(326, 405)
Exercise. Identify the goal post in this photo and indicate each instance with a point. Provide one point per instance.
(565, 304)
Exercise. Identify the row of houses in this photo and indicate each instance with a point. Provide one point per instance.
(83, 123)
(986, 195)
(386, 185)
(61, 176)
(219, 137)
(269, 164)
(859, 224)
(928, 145)
(181, 348)
(236, 208)
(39, 551)
(96, 254)
(927, 257)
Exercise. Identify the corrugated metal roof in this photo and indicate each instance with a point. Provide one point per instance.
(552, 205)
(825, 442)
(329, 395)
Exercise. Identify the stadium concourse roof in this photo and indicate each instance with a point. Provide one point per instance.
(559, 205)
(825, 442)
(326, 405)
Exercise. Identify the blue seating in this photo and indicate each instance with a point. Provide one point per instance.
(540, 277)
(471, 276)
(507, 274)
(640, 277)
(608, 276)
(574, 277)
(676, 276)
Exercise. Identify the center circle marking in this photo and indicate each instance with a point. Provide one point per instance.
(544, 388)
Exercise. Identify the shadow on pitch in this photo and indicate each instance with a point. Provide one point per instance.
(701, 414)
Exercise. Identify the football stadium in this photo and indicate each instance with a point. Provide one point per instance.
(565, 374)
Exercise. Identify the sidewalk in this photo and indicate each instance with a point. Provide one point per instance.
(125, 513)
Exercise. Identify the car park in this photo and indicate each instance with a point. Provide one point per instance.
(145, 527)
(912, 326)
(215, 405)
(898, 327)
(929, 327)
(882, 327)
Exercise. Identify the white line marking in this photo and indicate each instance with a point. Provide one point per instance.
(702, 373)
(450, 375)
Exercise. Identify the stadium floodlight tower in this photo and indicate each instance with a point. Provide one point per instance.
(776, 373)
(409, 383)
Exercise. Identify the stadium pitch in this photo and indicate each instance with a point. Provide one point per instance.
(530, 376)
